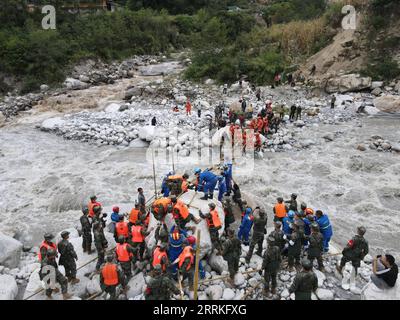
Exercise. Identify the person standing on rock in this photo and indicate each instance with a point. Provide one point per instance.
(68, 257)
(176, 238)
(93, 203)
(100, 243)
(141, 200)
(295, 241)
(355, 251)
(293, 110)
(244, 105)
(271, 264)
(139, 233)
(48, 265)
(305, 282)
(316, 246)
(292, 202)
(121, 229)
(259, 230)
(333, 101)
(280, 210)
(231, 252)
(208, 180)
(278, 234)
(245, 227)
(325, 228)
(46, 245)
(160, 257)
(181, 213)
(298, 112)
(111, 276)
(258, 94)
(114, 219)
(229, 216)
(222, 188)
(86, 231)
(160, 287)
(214, 224)
(154, 121)
(188, 108)
(186, 264)
(124, 253)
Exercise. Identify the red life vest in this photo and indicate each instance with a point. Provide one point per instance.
(123, 254)
(158, 255)
(214, 220)
(134, 215)
(183, 210)
(186, 253)
(122, 229)
(47, 246)
(91, 205)
(110, 274)
(137, 235)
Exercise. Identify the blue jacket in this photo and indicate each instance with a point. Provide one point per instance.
(164, 188)
(247, 222)
(325, 226)
(207, 177)
(307, 226)
(115, 217)
(222, 185)
(285, 225)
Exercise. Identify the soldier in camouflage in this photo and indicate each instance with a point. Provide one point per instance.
(232, 249)
(305, 282)
(271, 264)
(259, 230)
(160, 287)
(48, 264)
(295, 242)
(86, 231)
(316, 246)
(121, 280)
(292, 202)
(278, 234)
(100, 243)
(68, 257)
(355, 251)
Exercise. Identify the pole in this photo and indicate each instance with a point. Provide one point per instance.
(154, 174)
(196, 270)
(173, 162)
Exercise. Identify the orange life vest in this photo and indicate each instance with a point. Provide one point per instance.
(182, 208)
(280, 210)
(260, 124)
(137, 235)
(186, 253)
(91, 205)
(110, 274)
(134, 215)
(147, 220)
(123, 254)
(165, 202)
(122, 229)
(47, 246)
(185, 186)
(158, 255)
(214, 220)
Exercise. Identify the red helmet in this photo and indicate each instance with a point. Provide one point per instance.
(116, 209)
(191, 240)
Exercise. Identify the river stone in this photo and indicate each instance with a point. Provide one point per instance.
(10, 251)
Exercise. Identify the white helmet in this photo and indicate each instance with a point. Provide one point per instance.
(237, 122)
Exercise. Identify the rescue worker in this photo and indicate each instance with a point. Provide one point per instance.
(324, 227)
(280, 210)
(46, 245)
(93, 203)
(316, 246)
(139, 233)
(121, 229)
(355, 251)
(141, 200)
(271, 264)
(67, 257)
(161, 233)
(237, 196)
(231, 252)
(161, 207)
(278, 234)
(176, 238)
(49, 265)
(292, 112)
(86, 231)
(111, 276)
(181, 213)
(188, 107)
(292, 202)
(192, 242)
(298, 113)
(222, 189)
(208, 180)
(100, 243)
(99, 217)
(186, 264)
(229, 216)
(134, 215)
(295, 241)
(286, 222)
(259, 230)
(185, 183)
(160, 257)
(160, 287)
(305, 282)
(124, 254)
(114, 219)
(164, 185)
(214, 224)
(245, 227)
(228, 177)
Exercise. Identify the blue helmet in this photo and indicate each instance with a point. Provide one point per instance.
(291, 214)
(197, 170)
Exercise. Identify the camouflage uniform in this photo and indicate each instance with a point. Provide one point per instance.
(101, 244)
(86, 233)
(355, 252)
(278, 237)
(304, 283)
(161, 233)
(112, 290)
(316, 248)
(259, 230)
(187, 273)
(127, 265)
(59, 276)
(232, 250)
(294, 250)
(271, 263)
(67, 258)
(160, 287)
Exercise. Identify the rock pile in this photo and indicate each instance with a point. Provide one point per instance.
(379, 144)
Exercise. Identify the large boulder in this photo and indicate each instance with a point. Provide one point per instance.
(10, 251)
(372, 292)
(8, 287)
(388, 103)
(75, 84)
(136, 285)
(218, 263)
(52, 124)
(160, 69)
(348, 83)
(147, 133)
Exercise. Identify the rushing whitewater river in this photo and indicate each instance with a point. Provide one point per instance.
(44, 180)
